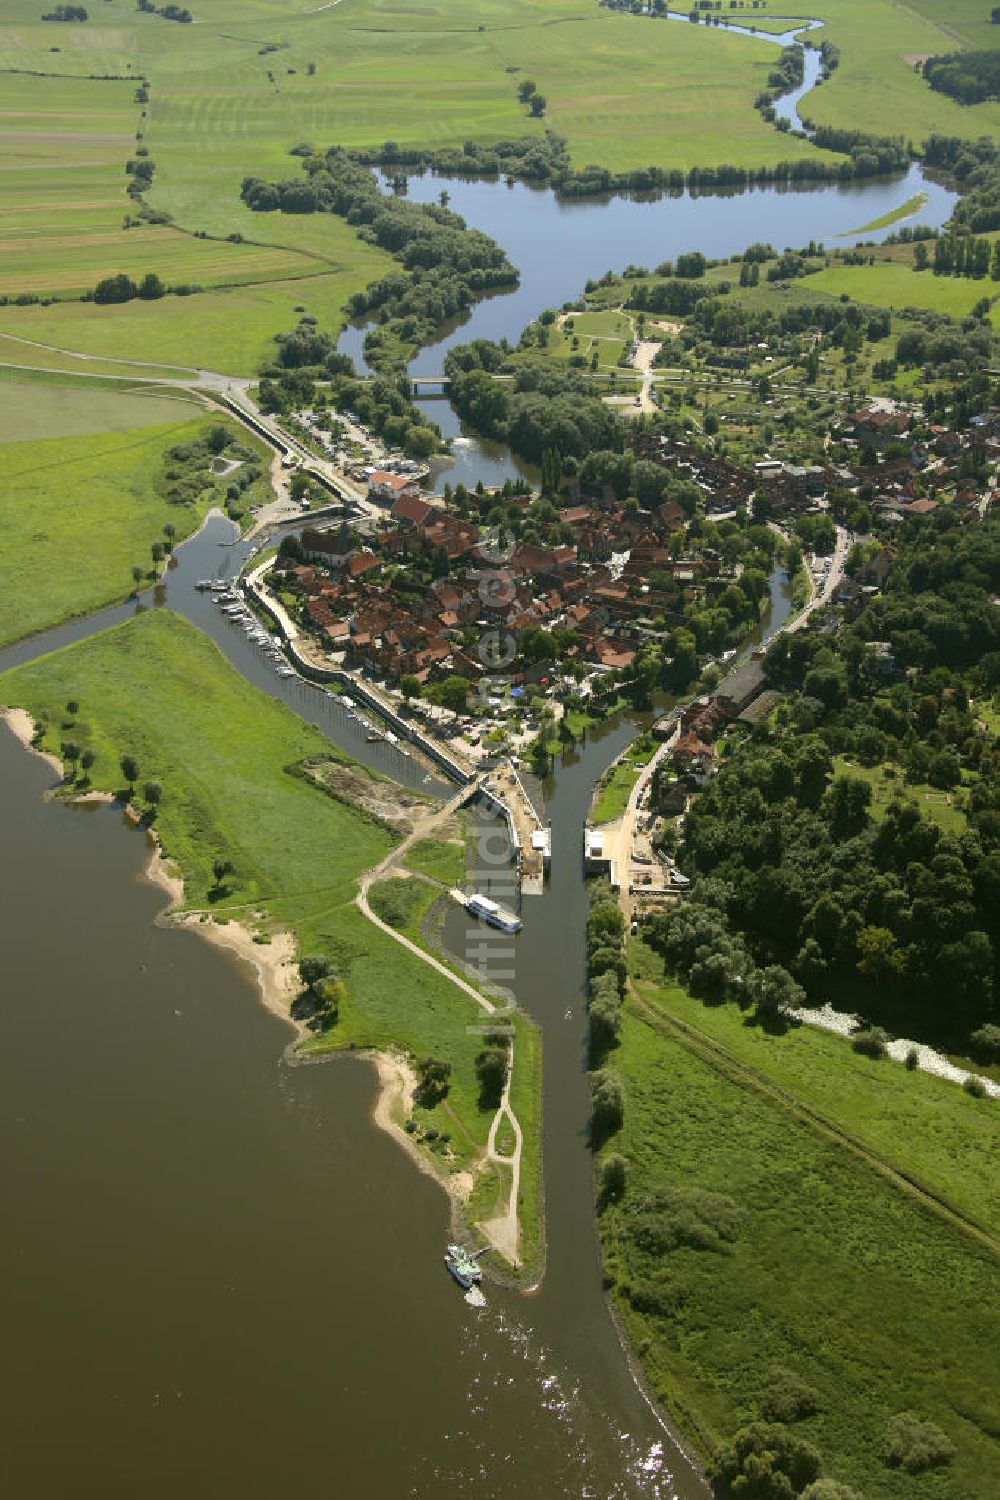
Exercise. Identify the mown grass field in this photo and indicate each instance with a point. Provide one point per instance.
(19, 356)
(891, 284)
(78, 512)
(34, 405)
(442, 859)
(878, 1304)
(924, 1126)
(937, 805)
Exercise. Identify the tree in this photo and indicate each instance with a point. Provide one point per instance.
(525, 89)
(766, 1462)
(536, 106)
(151, 288)
(313, 968)
(491, 1070)
(153, 793)
(156, 552)
(433, 1074)
(220, 869)
(607, 1102)
(420, 441)
(137, 574)
(452, 692)
(614, 1173)
(87, 759)
(880, 957)
(775, 992)
(130, 770)
(70, 752)
(409, 686)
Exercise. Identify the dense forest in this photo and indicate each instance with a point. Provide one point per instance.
(803, 892)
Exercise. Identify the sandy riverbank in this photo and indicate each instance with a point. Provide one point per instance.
(394, 1105)
(273, 962)
(22, 725)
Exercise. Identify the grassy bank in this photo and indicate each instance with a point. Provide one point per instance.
(822, 1269)
(225, 755)
(925, 1127)
(77, 513)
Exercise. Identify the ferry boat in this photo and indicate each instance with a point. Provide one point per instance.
(489, 911)
(463, 1266)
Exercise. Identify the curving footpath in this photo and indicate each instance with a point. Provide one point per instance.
(503, 1232)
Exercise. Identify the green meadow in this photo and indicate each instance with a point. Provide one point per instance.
(231, 331)
(923, 1126)
(233, 91)
(226, 756)
(889, 284)
(80, 509)
(833, 1274)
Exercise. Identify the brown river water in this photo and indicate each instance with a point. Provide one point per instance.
(218, 1276)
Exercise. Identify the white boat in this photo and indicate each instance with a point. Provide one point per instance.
(489, 911)
(392, 738)
(347, 702)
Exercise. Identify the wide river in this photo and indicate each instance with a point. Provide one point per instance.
(219, 1279)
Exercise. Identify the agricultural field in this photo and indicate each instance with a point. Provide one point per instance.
(80, 510)
(157, 689)
(824, 1269)
(876, 87)
(230, 331)
(230, 93)
(63, 199)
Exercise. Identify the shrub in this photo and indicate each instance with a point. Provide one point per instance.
(912, 1059)
(871, 1042)
(614, 1173)
(670, 1218)
(974, 1086)
(786, 1397)
(607, 1100)
(915, 1446)
(829, 1489)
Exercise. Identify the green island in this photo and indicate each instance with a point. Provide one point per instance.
(735, 498)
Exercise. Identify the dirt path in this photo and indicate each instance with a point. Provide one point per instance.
(503, 1232)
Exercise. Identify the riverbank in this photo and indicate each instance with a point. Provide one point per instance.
(711, 1228)
(228, 759)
